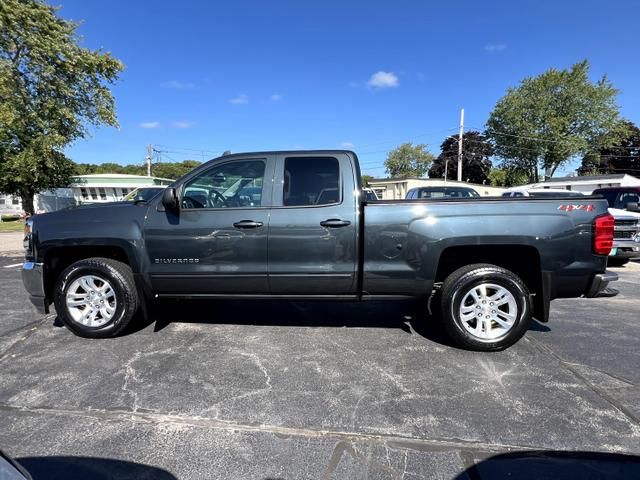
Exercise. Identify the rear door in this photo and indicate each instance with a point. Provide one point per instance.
(313, 226)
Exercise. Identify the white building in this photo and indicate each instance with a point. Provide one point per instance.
(10, 204)
(587, 184)
(96, 188)
(110, 187)
(397, 188)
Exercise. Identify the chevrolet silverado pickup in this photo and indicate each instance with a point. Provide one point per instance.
(295, 225)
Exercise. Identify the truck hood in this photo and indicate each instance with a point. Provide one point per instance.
(620, 214)
(112, 212)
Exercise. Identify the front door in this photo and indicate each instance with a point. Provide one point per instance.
(217, 242)
(313, 226)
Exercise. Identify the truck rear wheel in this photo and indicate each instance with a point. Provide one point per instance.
(485, 307)
(96, 297)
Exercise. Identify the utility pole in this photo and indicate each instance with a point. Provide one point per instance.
(446, 165)
(460, 145)
(148, 159)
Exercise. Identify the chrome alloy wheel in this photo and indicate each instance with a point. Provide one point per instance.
(488, 311)
(91, 301)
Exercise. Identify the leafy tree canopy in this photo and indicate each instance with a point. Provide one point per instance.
(503, 177)
(173, 170)
(475, 158)
(622, 157)
(549, 119)
(51, 90)
(408, 160)
(366, 179)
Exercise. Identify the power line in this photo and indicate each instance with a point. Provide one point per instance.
(405, 139)
(548, 140)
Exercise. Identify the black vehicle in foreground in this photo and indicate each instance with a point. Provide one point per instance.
(295, 225)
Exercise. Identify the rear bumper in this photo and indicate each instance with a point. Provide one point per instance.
(599, 284)
(33, 280)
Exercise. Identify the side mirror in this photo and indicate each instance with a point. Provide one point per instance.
(170, 198)
(632, 206)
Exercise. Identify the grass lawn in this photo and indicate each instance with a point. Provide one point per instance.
(15, 226)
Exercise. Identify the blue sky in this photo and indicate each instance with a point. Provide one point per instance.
(257, 75)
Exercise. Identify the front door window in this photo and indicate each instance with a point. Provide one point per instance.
(231, 185)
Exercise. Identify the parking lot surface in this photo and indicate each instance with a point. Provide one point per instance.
(297, 390)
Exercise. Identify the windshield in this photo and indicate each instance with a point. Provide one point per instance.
(449, 192)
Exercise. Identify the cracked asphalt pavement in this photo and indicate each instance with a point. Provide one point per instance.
(303, 390)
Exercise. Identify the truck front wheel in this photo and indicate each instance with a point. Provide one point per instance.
(96, 297)
(485, 307)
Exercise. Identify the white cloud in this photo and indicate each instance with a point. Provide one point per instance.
(182, 124)
(347, 145)
(149, 125)
(383, 80)
(179, 85)
(241, 99)
(276, 97)
(495, 47)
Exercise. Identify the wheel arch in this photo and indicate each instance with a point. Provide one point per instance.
(522, 260)
(58, 258)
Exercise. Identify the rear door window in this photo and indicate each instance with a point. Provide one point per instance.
(311, 181)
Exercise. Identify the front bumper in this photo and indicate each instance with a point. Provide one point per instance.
(33, 280)
(599, 284)
(627, 248)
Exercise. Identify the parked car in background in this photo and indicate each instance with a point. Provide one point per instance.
(142, 194)
(623, 205)
(369, 194)
(541, 192)
(442, 192)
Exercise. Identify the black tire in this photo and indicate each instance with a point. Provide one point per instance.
(119, 275)
(617, 261)
(456, 286)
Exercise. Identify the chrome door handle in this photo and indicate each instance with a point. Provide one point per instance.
(335, 223)
(247, 224)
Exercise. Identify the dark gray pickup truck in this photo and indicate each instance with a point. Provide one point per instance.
(294, 225)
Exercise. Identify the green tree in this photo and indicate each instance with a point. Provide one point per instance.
(549, 119)
(174, 170)
(366, 179)
(621, 157)
(502, 177)
(51, 91)
(475, 158)
(408, 160)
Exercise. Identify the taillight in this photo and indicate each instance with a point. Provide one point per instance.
(603, 234)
